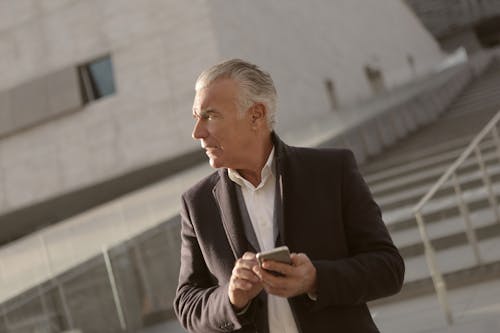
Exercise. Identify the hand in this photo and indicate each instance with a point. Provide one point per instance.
(244, 284)
(299, 277)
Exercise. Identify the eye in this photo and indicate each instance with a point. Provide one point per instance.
(209, 115)
(205, 116)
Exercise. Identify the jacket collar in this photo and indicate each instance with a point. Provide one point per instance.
(224, 193)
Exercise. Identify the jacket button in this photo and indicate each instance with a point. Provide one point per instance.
(226, 326)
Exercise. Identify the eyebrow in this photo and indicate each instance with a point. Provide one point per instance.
(204, 112)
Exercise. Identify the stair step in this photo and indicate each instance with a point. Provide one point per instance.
(437, 210)
(454, 279)
(427, 172)
(454, 235)
(401, 159)
(469, 179)
(453, 260)
(409, 164)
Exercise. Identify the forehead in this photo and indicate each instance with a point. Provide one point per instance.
(218, 92)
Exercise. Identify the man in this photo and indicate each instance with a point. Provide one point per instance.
(265, 194)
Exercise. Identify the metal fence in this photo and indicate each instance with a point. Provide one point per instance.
(122, 289)
(452, 176)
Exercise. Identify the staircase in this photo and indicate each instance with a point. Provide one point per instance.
(403, 174)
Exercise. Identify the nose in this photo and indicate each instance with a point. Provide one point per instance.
(199, 130)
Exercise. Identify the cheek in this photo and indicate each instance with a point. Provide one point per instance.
(226, 138)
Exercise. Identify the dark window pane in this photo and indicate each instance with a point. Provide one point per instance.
(101, 72)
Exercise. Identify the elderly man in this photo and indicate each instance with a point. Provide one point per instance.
(265, 194)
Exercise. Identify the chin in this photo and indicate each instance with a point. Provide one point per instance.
(215, 164)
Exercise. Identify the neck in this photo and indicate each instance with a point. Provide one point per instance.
(253, 173)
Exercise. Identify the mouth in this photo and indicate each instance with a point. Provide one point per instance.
(207, 148)
(210, 151)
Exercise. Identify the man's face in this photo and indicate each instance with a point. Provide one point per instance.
(224, 133)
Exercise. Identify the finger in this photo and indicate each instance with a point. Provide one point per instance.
(265, 274)
(238, 284)
(248, 256)
(244, 263)
(273, 280)
(245, 274)
(279, 267)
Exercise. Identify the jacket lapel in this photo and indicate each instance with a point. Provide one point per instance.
(225, 196)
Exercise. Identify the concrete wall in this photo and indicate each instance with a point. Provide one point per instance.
(157, 49)
(304, 44)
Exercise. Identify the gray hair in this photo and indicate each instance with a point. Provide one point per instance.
(256, 85)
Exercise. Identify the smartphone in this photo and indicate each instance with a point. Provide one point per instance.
(280, 254)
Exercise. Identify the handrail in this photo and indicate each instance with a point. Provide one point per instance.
(437, 277)
(475, 142)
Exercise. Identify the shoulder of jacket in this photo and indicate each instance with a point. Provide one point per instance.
(203, 186)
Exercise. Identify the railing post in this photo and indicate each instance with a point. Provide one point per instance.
(4, 310)
(114, 289)
(59, 286)
(487, 182)
(437, 277)
(40, 290)
(464, 211)
(496, 138)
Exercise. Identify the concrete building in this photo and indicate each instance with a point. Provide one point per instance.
(472, 24)
(93, 91)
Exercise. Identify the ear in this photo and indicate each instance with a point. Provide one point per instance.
(258, 114)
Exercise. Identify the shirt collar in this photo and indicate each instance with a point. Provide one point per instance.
(266, 172)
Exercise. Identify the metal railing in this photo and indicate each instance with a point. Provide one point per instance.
(131, 283)
(451, 174)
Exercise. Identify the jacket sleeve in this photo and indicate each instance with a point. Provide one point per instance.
(201, 305)
(373, 267)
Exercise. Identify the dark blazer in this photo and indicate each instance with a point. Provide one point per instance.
(328, 213)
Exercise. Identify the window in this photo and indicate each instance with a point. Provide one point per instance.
(375, 78)
(411, 63)
(96, 79)
(332, 96)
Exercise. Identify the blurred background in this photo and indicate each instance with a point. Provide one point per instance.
(96, 147)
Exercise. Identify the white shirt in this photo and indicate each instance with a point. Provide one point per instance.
(260, 206)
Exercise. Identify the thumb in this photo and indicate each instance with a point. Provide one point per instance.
(248, 256)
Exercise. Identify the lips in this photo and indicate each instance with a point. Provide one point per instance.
(211, 150)
(209, 147)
